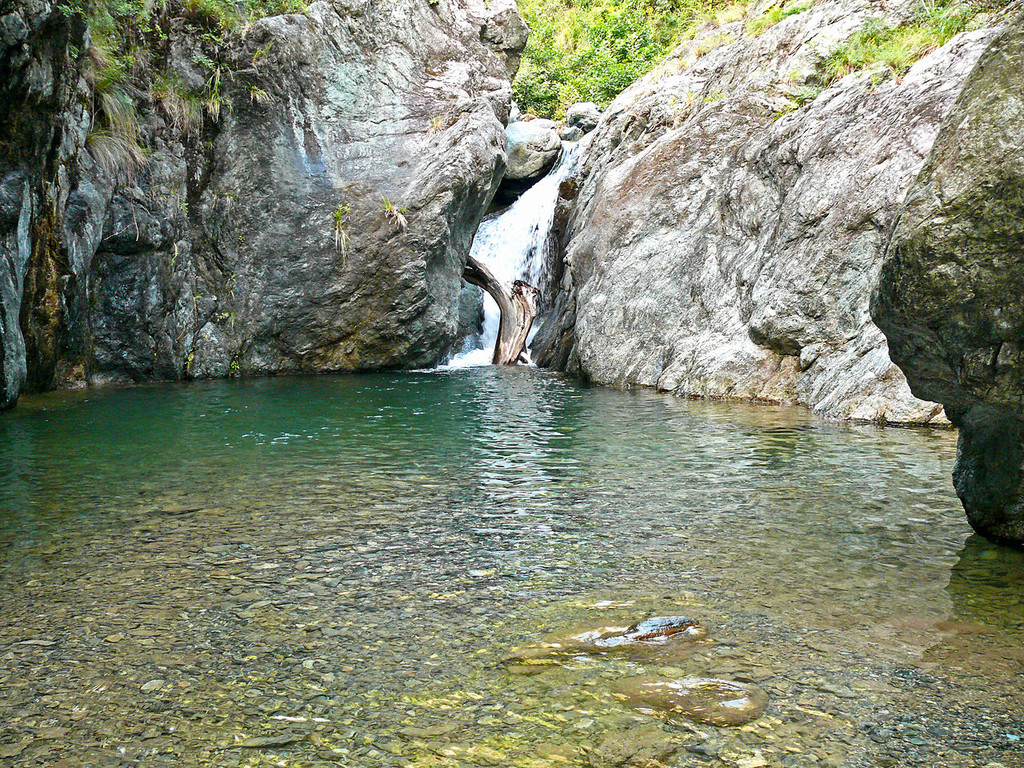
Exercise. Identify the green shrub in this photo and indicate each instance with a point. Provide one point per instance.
(590, 50)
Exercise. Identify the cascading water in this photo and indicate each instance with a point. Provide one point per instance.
(514, 245)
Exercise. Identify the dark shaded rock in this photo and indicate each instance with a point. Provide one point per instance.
(570, 133)
(949, 294)
(319, 222)
(42, 128)
(703, 700)
(471, 312)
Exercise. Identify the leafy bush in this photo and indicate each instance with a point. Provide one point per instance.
(590, 50)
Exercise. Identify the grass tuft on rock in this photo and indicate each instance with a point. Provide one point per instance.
(897, 48)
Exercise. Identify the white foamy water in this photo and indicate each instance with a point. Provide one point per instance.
(513, 245)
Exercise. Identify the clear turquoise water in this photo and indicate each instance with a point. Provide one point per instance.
(343, 559)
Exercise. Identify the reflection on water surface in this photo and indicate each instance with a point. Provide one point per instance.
(329, 571)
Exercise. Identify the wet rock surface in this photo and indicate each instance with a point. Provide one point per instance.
(665, 635)
(949, 296)
(701, 699)
(727, 232)
(320, 227)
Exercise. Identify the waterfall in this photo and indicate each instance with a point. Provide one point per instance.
(514, 244)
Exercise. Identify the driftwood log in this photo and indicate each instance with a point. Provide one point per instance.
(517, 303)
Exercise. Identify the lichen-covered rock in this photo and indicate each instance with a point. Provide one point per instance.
(318, 220)
(951, 294)
(728, 229)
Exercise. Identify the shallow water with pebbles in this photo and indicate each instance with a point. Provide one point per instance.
(331, 570)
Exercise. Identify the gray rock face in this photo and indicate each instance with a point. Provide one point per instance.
(724, 240)
(533, 147)
(951, 294)
(42, 128)
(584, 115)
(570, 133)
(319, 224)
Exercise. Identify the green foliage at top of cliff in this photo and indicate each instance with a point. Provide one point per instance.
(896, 48)
(590, 50)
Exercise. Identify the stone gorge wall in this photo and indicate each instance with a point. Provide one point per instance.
(320, 223)
(951, 294)
(724, 238)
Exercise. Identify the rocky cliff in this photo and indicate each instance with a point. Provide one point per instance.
(728, 223)
(302, 197)
(951, 294)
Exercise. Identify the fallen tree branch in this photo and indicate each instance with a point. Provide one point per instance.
(517, 303)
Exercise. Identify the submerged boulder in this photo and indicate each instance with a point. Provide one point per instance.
(704, 700)
(658, 636)
(950, 297)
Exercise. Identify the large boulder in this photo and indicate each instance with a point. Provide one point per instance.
(584, 115)
(951, 294)
(318, 219)
(730, 217)
(533, 147)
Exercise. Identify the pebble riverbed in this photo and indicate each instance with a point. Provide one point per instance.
(330, 571)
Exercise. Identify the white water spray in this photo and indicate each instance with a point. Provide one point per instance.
(514, 246)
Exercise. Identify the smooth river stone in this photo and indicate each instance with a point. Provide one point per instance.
(702, 699)
(653, 633)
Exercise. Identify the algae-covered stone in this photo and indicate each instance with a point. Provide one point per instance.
(704, 700)
(634, 746)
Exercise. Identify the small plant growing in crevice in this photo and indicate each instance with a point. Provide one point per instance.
(258, 95)
(757, 26)
(184, 110)
(214, 99)
(340, 216)
(439, 122)
(394, 212)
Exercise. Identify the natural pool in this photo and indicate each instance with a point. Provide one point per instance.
(330, 570)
